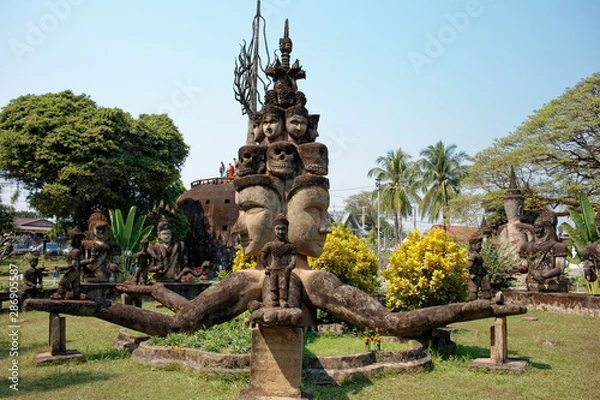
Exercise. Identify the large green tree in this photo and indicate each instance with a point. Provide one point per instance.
(397, 175)
(442, 169)
(72, 154)
(555, 152)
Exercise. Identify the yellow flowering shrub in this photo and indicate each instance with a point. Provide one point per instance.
(426, 271)
(349, 258)
(242, 262)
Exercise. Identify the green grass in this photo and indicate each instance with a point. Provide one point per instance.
(563, 353)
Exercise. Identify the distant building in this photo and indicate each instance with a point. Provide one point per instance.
(347, 219)
(462, 233)
(33, 225)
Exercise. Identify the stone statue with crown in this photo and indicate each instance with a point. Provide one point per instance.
(101, 257)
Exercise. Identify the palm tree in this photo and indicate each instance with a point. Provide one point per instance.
(397, 174)
(441, 171)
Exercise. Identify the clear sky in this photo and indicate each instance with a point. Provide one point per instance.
(382, 74)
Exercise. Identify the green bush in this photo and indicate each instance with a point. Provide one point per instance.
(426, 271)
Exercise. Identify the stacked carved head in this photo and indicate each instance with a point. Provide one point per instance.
(283, 171)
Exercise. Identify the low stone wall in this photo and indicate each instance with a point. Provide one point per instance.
(318, 370)
(586, 305)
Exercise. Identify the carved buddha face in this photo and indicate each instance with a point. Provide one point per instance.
(295, 125)
(307, 216)
(258, 205)
(165, 236)
(272, 126)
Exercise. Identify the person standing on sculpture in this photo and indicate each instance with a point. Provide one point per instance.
(222, 170)
(479, 284)
(282, 261)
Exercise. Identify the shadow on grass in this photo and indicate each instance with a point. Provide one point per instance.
(106, 354)
(61, 380)
(538, 365)
(337, 391)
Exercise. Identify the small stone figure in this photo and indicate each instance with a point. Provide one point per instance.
(282, 262)
(479, 284)
(591, 256)
(546, 257)
(32, 278)
(102, 256)
(142, 262)
(70, 280)
(168, 259)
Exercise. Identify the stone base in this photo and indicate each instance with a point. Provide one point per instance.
(553, 286)
(513, 365)
(46, 357)
(275, 363)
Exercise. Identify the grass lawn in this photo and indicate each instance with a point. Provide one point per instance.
(563, 353)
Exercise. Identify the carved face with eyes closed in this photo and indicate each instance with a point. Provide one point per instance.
(258, 206)
(307, 216)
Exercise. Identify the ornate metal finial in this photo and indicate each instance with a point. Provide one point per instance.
(285, 46)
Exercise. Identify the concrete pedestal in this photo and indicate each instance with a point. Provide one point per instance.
(499, 352)
(275, 364)
(57, 339)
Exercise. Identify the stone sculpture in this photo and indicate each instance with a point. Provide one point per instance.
(70, 280)
(292, 184)
(142, 262)
(33, 281)
(513, 235)
(101, 257)
(169, 258)
(591, 256)
(279, 258)
(479, 285)
(545, 257)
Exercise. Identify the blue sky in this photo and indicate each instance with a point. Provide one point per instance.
(383, 75)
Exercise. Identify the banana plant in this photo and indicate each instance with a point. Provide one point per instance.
(128, 233)
(584, 232)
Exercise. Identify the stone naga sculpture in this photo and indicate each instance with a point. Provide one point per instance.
(293, 183)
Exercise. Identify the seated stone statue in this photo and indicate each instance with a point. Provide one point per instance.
(545, 258)
(32, 279)
(101, 257)
(168, 259)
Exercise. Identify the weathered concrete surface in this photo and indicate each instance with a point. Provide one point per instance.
(318, 370)
(586, 305)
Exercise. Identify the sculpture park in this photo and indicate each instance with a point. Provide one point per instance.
(282, 198)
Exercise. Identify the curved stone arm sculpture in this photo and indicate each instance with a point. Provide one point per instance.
(231, 297)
